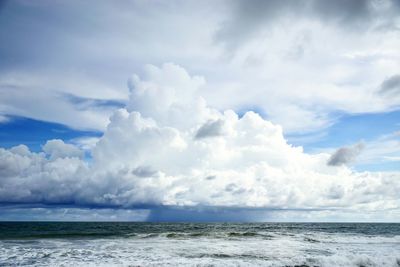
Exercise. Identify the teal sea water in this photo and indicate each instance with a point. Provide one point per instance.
(198, 244)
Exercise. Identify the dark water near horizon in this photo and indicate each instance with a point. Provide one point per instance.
(198, 244)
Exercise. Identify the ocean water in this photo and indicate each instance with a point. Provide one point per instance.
(198, 244)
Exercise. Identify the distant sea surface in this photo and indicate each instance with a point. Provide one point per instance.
(198, 244)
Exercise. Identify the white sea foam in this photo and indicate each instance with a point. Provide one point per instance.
(314, 249)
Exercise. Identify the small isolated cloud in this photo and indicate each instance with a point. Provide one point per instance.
(210, 129)
(345, 155)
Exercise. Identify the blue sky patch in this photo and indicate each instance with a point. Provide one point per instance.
(35, 133)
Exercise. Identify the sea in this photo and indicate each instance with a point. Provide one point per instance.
(198, 244)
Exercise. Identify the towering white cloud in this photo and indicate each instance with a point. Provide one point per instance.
(167, 147)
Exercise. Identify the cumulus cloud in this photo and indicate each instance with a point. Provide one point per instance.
(28, 177)
(58, 149)
(345, 155)
(149, 156)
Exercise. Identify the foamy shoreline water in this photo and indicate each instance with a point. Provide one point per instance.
(229, 244)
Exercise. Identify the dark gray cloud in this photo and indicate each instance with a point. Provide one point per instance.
(144, 171)
(85, 102)
(336, 192)
(391, 86)
(345, 155)
(248, 17)
(343, 11)
(210, 129)
(211, 177)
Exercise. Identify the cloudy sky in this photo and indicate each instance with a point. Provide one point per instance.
(200, 110)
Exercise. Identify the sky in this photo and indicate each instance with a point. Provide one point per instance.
(200, 110)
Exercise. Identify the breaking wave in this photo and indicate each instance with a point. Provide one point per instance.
(146, 244)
